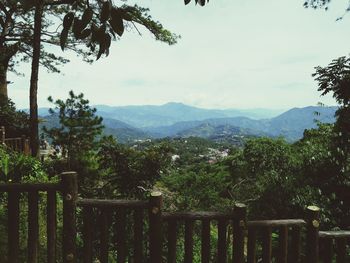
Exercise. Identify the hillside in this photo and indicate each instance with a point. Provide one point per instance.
(218, 133)
(122, 131)
(290, 124)
(171, 113)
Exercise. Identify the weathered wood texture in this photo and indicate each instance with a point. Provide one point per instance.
(30, 193)
(70, 194)
(20, 144)
(128, 220)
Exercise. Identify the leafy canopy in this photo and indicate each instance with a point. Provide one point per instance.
(79, 126)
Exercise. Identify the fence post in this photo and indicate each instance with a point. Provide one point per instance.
(155, 227)
(2, 135)
(312, 240)
(23, 144)
(239, 224)
(70, 193)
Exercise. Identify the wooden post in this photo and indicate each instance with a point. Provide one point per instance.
(70, 193)
(23, 144)
(155, 227)
(239, 224)
(2, 135)
(313, 224)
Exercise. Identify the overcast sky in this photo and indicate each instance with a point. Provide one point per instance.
(232, 54)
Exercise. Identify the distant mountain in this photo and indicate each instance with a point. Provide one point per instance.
(290, 124)
(171, 113)
(130, 123)
(122, 131)
(218, 133)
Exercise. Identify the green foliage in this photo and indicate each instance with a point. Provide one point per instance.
(14, 121)
(198, 187)
(79, 127)
(266, 154)
(335, 79)
(129, 172)
(16, 167)
(96, 23)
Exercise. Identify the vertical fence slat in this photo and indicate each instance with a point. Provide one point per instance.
(51, 226)
(33, 226)
(205, 243)
(251, 252)
(267, 245)
(155, 230)
(296, 244)
(138, 234)
(13, 226)
(70, 193)
(121, 235)
(283, 244)
(222, 238)
(341, 249)
(172, 239)
(312, 244)
(88, 233)
(239, 222)
(327, 250)
(189, 224)
(104, 235)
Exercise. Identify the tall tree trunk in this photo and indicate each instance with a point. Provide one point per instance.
(33, 101)
(6, 53)
(3, 78)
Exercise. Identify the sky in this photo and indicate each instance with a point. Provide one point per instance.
(232, 54)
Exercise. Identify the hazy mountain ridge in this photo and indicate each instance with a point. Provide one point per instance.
(171, 113)
(290, 124)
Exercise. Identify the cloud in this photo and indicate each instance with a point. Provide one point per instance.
(232, 54)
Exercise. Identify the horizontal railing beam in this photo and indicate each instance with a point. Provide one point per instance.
(334, 234)
(276, 223)
(195, 215)
(26, 187)
(98, 203)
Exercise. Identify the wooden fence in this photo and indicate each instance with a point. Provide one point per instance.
(140, 231)
(20, 144)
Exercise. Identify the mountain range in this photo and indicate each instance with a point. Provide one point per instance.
(128, 123)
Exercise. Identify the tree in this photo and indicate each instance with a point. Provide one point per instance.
(79, 127)
(16, 35)
(335, 79)
(88, 23)
(15, 122)
(128, 171)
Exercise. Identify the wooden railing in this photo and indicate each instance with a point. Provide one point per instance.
(140, 231)
(334, 241)
(20, 144)
(100, 213)
(32, 193)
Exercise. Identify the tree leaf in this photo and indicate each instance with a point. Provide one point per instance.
(77, 28)
(63, 38)
(87, 16)
(101, 50)
(68, 20)
(107, 40)
(85, 33)
(105, 11)
(116, 21)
